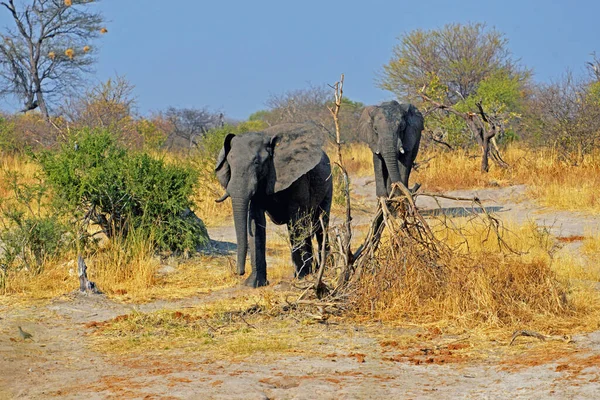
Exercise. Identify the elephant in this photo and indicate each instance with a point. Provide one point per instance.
(393, 133)
(283, 172)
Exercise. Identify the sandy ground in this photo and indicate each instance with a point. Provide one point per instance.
(59, 363)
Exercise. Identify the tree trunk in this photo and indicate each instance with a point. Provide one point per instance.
(485, 155)
(85, 285)
(42, 104)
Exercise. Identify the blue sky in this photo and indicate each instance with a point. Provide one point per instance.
(231, 56)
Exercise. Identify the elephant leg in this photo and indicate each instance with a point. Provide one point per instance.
(257, 239)
(381, 176)
(300, 239)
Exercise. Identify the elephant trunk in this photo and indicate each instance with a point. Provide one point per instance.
(240, 219)
(390, 157)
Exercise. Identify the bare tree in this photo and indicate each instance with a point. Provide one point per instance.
(594, 67)
(300, 106)
(312, 104)
(48, 51)
(103, 105)
(191, 123)
(566, 114)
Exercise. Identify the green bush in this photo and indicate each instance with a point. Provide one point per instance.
(97, 180)
(31, 231)
(8, 138)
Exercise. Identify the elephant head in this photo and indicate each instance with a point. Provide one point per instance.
(255, 165)
(392, 129)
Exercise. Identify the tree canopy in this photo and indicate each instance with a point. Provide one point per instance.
(456, 57)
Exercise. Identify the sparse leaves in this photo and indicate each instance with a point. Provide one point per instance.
(566, 115)
(455, 58)
(38, 60)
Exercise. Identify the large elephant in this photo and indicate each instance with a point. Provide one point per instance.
(284, 173)
(393, 132)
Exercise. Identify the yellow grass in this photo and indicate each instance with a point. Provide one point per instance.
(552, 182)
(19, 164)
(209, 211)
(357, 157)
(478, 286)
(124, 276)
(591, 246)
(220, 328)
(484, 288)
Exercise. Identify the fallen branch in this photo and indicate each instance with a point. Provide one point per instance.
(495, 224)
(543, 338)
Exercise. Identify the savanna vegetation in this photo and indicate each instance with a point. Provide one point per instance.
(87, 175)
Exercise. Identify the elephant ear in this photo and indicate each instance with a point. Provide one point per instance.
(222, 166)
(296, 149)
(366, 128)
(414, 126)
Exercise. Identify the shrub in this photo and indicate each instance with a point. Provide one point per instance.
(98, 180)
(31, 231)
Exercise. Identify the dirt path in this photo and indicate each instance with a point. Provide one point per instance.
(59, 363)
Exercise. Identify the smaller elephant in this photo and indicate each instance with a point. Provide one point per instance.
(393, 133)
(284, 173)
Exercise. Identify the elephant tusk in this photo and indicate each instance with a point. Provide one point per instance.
(222, 198)
(401, 150)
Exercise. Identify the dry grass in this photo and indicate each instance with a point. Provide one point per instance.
(26, 169)
(478, 286)
(557, 184)
(223, 328)
(130, 273)
(57, 278)
(591, 246)
(552, 181)
(124, 276)
(358, 158)
(209, 211)
(444, 171)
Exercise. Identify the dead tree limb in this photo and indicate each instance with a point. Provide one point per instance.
(543, 338)
(85, 285)
(483, 127)
(346, 234)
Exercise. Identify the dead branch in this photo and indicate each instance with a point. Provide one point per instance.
(85, 285)
(494, 224)
(543, 338)
(246, 322)
(320, 287)
(342, 238)
(482, 126)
